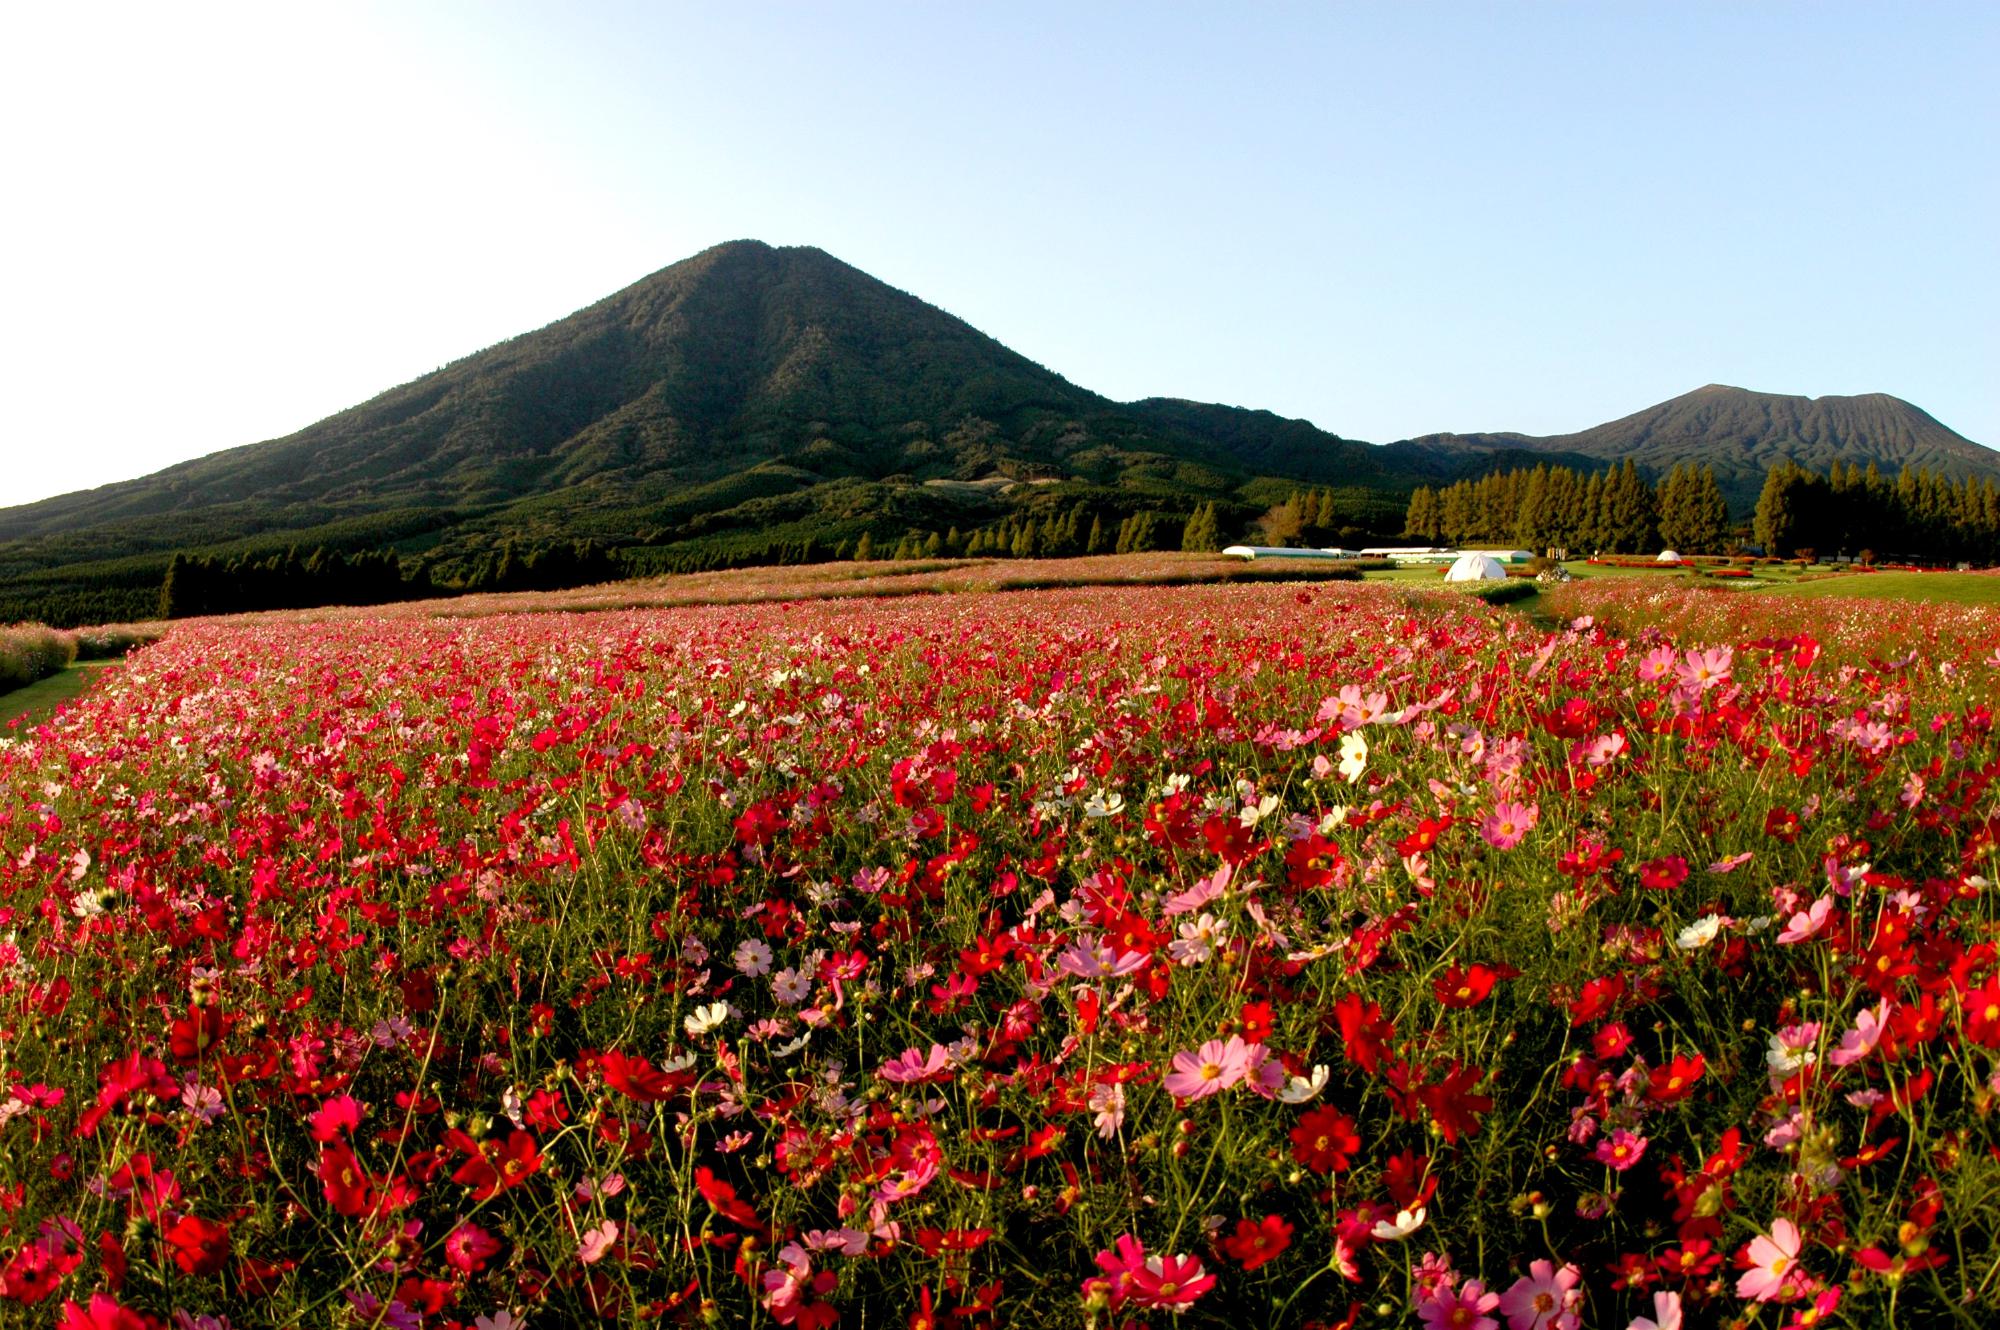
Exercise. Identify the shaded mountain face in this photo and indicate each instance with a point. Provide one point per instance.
(1742, 434)
(754, 398)
(747, 375)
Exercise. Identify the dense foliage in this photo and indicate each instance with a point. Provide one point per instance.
(1218, 956)
(1548, 507)
(1851, 509)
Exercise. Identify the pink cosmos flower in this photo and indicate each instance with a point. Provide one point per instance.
(910, 1065)
(1201, 893)
(1088, 958)
(597, 1241)
(1211, 1069)
(1618, 1151)
(1170, 1283)
(1508, 824)
(1125, 1259)
(1657, 664)
(1666, 1314)
(1601, 751)
(1700, 671)
(1859, 1042)
(1807, 923)
(1771, 1260)
(1545, 1298)
(1107, 1105)
(1464, 1308)
(468, 1247)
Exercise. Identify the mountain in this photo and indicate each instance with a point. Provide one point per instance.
(1742, 434)
(746, 399)
(755, 403)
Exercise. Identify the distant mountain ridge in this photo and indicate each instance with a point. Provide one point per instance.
(1743, 433)
(752, 399)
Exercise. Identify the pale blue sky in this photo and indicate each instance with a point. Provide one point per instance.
(1389, 219)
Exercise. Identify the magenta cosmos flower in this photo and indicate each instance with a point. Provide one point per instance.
(1508, 824)
(1464, 1308)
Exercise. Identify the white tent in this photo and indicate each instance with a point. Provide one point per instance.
(1668, 556)
(1473, 566)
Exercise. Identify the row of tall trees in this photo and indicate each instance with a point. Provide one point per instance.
(1851, 510)
(208, 584)
(1054, 535)
(1554, 506)
(203, 584)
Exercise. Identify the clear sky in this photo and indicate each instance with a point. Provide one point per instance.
(223, 223)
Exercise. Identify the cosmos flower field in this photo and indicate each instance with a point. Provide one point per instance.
(1246, 956)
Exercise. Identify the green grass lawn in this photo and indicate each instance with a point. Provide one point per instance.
(1936, 588)
(38, 701)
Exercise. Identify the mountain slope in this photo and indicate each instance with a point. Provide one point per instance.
(740, 376)
(1742, 434)
(754, 402)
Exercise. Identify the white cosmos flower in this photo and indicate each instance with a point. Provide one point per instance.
(1198, 939)
(1405, 1223)
(1699, 933)
(705, 1019)
(1299, 1089)
(1353, 756)
(1105, 803)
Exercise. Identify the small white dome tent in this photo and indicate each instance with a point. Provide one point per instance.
(1668, 556)
(1473, 566)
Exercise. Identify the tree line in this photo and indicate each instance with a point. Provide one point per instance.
(209, 584)
(1557, 507)
(1860, 512)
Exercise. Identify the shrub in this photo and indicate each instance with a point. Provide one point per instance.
(107, 641)
(1505, 593)
(31, 651)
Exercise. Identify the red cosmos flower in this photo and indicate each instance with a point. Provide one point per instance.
(135, 1073)
(194, 1034)
(722, 1197)
(1325, 1140)
(937, 1241)
(337, 1117)
(1663, 874)
(1424, 838)
(1691, 1260)
(348, 1186)
(103, 1313)
(36, 1269)
(1452, 1104)
(1409, 1179)
(1364, 1034)
(1676, 1081)
(199, 1246)
(1982, 1013)
(1313, 862)
(1463, 986)
(1783, 824)
(1254, 1022)
(636, 1078)
(1598, 998)
(497, 1168)
(1257, 1242)
(1611, 1041)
